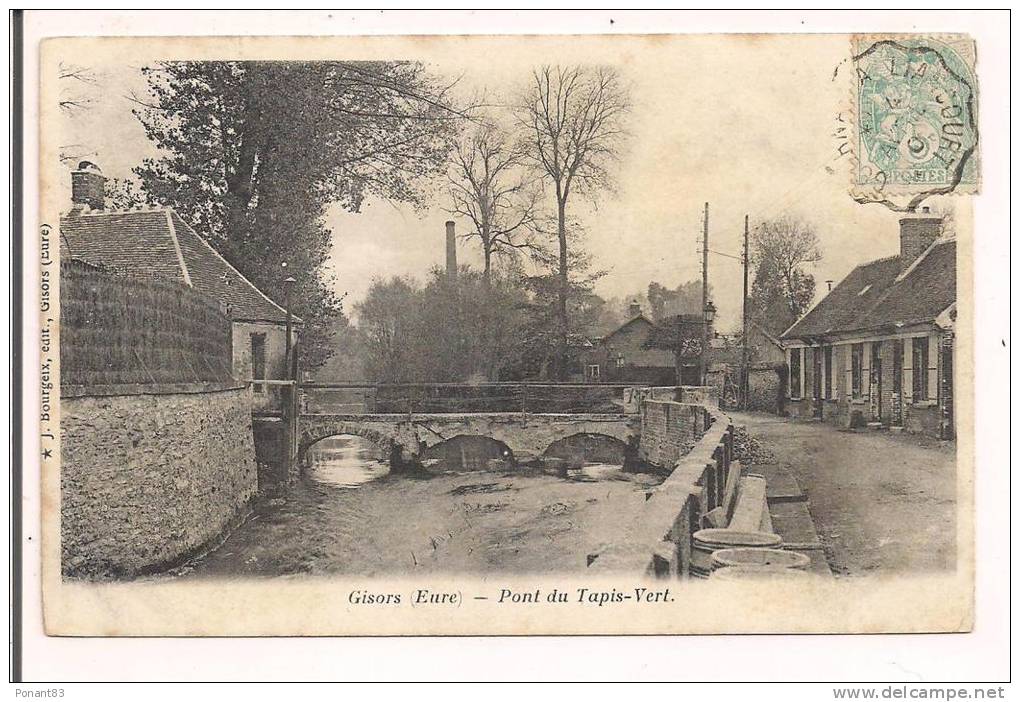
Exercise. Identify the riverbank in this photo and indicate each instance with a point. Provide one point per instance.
(454, 523)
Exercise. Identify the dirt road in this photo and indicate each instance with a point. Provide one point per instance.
(882, 503)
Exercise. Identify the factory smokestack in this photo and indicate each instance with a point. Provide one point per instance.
(451, 250)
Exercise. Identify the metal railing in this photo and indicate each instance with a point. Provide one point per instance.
(489, 397)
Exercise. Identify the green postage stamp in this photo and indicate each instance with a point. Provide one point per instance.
(916, 117)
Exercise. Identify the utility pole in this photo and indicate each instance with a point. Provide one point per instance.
(704, 300)
(745, 382)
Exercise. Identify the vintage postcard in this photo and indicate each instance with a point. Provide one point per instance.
(516, 335)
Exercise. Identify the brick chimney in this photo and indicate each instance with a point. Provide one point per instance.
(88, 186)
(451, 250)
(633, 309)
(917, 232)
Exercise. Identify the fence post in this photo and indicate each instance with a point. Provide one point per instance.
(524, 398)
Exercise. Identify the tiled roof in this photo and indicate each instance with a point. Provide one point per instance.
(875, 295)
(160, 243)
(130, 241)
(628, 323)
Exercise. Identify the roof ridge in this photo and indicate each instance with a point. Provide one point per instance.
(910, 269)
(227, 263)
(89, 212)
(761, 327)
(879, 260)
(177, 248)
(629, 321)
(853, 270)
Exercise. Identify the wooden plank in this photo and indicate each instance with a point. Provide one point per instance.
(732, 482)
(751, 504)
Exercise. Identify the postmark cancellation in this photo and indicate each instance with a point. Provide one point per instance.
(915, 113)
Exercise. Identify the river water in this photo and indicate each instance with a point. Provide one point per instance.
(346, 462)
(351, 461)
(471, 513)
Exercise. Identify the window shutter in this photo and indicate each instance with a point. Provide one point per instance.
(866, 370)
(789, 366)
(833, 374)
(822, 370)
(848, 385)
(933, 367)
(908, 369)
(804, 372)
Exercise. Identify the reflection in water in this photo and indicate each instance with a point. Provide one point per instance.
(600, 471)
(465, 453)
(346, 461)
(351, 461)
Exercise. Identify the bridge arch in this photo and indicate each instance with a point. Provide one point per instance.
(590, 446)
(408, 437)
(312, 433)
(470, 451)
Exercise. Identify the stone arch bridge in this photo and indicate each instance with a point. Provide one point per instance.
(407, 436)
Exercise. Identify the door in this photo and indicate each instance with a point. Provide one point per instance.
(876, 380)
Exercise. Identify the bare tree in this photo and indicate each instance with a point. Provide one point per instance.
(489, 187)
(573, 121)
(76, 83)
(782, 289)
(77, 87)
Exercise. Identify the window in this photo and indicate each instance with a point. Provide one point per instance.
(593, 373)
(856, 369)
(620, 361)
(258, 360)
(828, 372)
(795, 364)
(920, 358)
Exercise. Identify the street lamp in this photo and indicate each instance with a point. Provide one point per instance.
(709, 313)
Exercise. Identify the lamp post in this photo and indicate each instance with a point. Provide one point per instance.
(708, 316)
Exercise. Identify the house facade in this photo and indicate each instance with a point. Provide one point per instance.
(878, 349)
(157, 242)
(635, 352)
(766, 359)
(763, 349)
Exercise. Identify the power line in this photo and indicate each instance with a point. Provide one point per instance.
(720, 253)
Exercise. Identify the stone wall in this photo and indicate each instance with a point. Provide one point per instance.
(264, 397)
(659, 540)
(922, 418)
(151, 477)
(765, 390)
(669, 430)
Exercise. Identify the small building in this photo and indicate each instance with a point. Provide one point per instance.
(878, 348)
(766, 361)
(637, 352)
(158, 242)
(763, 349)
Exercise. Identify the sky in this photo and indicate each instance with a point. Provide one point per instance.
(743, 122)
